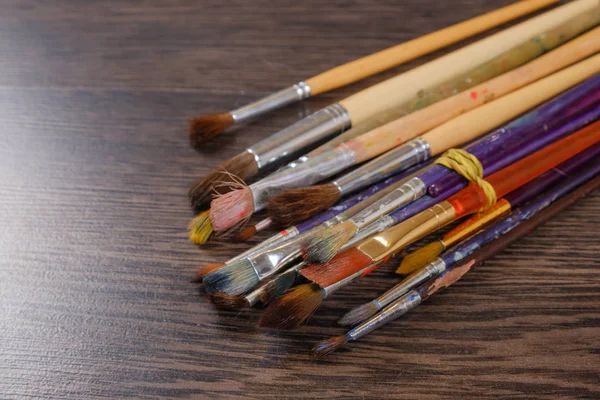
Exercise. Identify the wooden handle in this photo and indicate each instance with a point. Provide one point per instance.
(385, 137)
(491, 115)
(397, 90)
(393, 56)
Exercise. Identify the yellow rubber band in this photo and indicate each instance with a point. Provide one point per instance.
(468, 166)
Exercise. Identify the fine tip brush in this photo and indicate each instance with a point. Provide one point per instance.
(391, 93)
(204, 128)
(497, 238)
(499, 77)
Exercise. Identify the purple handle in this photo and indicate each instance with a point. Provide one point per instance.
(546, 180)
(520, 214)
(331, 212)
(499, 144)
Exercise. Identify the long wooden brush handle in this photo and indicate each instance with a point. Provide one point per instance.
(395, 91)
(393, 56)
(491, 115)
(373, 143)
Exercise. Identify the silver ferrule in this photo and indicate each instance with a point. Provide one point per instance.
(395, 310)
(314, 128)
(410, 191)
(314, 170)
(270, 242)
(415, 279)
(412, 153)
(331, 289)
(379, 225)
(253, 298)
(338, 219)
(270, 261)
(291, 94)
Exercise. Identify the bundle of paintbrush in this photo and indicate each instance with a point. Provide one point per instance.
(387, 95)
(524, 105)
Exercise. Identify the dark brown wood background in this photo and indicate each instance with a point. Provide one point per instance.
(95, 298)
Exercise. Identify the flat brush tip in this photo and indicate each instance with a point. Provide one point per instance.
(328, 346)
(359, 314)
(420, 258)
(202, 129)
(297, 205)
(233, 279)
(224, 300)
(246, 233)
(324, 245)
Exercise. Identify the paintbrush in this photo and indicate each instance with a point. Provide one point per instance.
(204, 128)
(578, 169)
(389, 94)
(499, 148)
(517, 226)
(295, 205)
(468, 201)
(237, 206)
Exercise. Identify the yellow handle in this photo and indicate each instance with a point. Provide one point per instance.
(393, 56)
(395, 91)
(385, 137)
(491, 115)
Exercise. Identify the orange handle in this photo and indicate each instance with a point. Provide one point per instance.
(471, 199)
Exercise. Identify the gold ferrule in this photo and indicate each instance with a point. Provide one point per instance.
(472, 225)
(396, 238)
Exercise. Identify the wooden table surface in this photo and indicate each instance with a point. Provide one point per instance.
(95, 298)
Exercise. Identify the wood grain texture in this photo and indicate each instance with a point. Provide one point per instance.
(95, 299)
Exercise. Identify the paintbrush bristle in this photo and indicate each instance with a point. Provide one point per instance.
(277, 287)
(204, 270)
(326, 243)
(338, 268)
(223, 180)
(297, 205)
(200, 228)
(233, 279)
(421, 257)
(328, 346)
(227, 301)
(359, 314)
(293, 308)
(246, 233)
(202, 129)
(231, 209)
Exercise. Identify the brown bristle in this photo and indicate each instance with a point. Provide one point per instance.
(246, 233)
(296, 205)
(224, 300)
(231, 209)
(202, 129)
(359, 314)
(421, 257)
(223, 180)
(328, 346)
(204, 270)
(293, 308)
(278, 286)
(341, 266)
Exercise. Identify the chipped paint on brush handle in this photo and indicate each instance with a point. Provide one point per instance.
(314, 128)
(526, 134)
(405, 194)
(314, 170)
(286, 96)
(395, 310)
(414, 152)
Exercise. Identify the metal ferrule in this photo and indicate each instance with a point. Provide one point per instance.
(270, 242)
(291, 94)
(395, 239)
(314, 128)
(398, 159)
(268, 262)
(411, 282)
(338, 219)
(314, 170)
(373, 228)
(395, 310)
(253, 298)
(410, 191)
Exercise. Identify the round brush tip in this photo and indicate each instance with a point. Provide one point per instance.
(202, 129)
